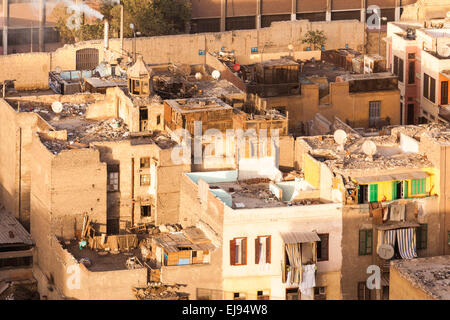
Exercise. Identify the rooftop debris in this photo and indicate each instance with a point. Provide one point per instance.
(159, 291)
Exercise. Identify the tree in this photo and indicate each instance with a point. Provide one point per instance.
(150, 18)
(315, 38)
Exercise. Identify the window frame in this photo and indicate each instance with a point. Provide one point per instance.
(366, 249)
(422, 236)
(323, 236)
(113, 170)
(268, 248)
(243, 251)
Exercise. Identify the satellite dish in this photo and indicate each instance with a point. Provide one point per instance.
(369, 148)
(385, 251)
(448, 14)
(290, 47)
(340, 136)
(198, 76)
(57, 107)
(58, 70)
(444, 51)
(216, 74)
(237, 67)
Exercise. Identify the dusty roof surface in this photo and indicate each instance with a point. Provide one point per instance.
(11, 231)
(81, 132)
(190, 237)
(321, 69)
(198, 105)
(432, 274)
(388, 155)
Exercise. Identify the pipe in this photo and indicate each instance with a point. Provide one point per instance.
(121, 30)
(41, 25)
(5, 26)
(106, 35)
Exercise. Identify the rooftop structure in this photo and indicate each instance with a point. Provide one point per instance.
(198, 105)
(12, 232)
(430, 275)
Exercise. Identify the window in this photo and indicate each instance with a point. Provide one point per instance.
(145, 162)
(448, 237)
(395, 69)
(365, 242)
(238, 251)
(113, 178)
(145, 180)
(146, 211)
(373, 193)
(422, 235)
(400, 70)
(239, 296)
(292, 294)
(320, 293)
(411, 55)
(262, 250)
(16, 262)
(263, 295)
(429, 87)
(418, 186)
(411, 72)
(322, 247)
(158, 119)
(363, 192)
(363, 291)
(374, 113)
(444, 92)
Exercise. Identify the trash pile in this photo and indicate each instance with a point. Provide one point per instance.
(159, 291)
(111, 129)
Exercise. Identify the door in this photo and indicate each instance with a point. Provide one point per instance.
(87, 59)
(410, 118)
(374, 113)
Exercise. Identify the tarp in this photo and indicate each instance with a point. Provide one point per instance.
(299, 237)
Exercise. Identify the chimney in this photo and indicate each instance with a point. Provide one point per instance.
(106, 35)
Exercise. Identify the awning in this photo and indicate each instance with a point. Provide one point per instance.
(398, 225)
(393, 177)
(299, 237)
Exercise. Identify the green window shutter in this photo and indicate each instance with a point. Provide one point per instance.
(405, 185)
(369, 241)
(362, 242)
(414, 186)
(373, 192)
(359, 195)
(394, 190)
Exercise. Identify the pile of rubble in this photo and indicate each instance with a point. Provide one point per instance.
(55, 146)
(111, 129)
(159, 291)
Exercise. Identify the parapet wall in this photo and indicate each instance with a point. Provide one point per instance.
(30, 70)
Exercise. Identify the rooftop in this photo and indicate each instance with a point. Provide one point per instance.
(193, 237)
(389, 153)
(11, 231)
(81, 132)
(198, 105)
(432, 274)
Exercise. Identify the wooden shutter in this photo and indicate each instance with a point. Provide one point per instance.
(362, 242)
(400, 70)
(232, 252)
(268, 249)
(444, 92)
(359, 195)
(244, 251)
(369, 241)
(257, 250)
(394, 190)
(324, 246)
(425, 85)
(373, 192)
(432, 89)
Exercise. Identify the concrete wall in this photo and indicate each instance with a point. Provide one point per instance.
(250, 223)
(402, 289)
(31, 70)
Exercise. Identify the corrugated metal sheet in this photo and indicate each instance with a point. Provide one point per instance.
(393, 177)
(171, 241)
(11, 231)
(299, 237)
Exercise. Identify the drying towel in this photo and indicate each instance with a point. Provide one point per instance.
(397, 212)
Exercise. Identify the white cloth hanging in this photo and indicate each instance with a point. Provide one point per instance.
(308, 280)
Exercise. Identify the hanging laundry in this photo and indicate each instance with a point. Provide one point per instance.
(406, 238)
(397, 212)
(385, 213)
(309, 280)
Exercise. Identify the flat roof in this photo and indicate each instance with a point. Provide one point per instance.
(11, 231)
(198, 105)
(277, 62)
(431, 274)
(190, 237)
